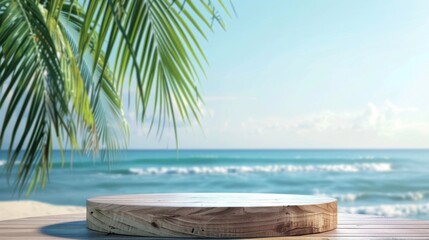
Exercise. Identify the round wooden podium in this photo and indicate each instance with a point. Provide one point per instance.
(216, 215)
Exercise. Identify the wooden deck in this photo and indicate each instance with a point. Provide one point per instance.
(350, 226)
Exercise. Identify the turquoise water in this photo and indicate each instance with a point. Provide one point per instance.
(382, 182)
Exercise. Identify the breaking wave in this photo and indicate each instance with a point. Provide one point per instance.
(352, 197)
(394, 210)
(348, 197)
(2, 162)
(375, 167)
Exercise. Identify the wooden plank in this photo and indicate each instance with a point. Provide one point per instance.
(363, 225)
(385, 222)
(343, 237)
(195, 215)
(73, 226)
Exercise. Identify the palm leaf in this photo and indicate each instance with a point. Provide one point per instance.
(34, 88)
(65, 65)
(155, 45)
(110, 129)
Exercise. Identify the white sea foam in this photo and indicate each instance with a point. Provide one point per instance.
(394, 210)
(414, 196)
(2, 162)
(376, 167)
(352, 197)
(348, 197)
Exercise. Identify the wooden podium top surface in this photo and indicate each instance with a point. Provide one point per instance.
(195, 200)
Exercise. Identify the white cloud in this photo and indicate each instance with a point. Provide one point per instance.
(386, 119)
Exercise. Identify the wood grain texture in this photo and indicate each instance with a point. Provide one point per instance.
(215, 215)
(350, 226)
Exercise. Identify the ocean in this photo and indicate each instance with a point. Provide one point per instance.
(391, 183)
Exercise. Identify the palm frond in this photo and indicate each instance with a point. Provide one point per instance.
(153, 43)
(110, 129)
(34, 89)
(65, 65)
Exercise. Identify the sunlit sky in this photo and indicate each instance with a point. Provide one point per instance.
(313, 74)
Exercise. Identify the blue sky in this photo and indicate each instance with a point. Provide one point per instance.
(313, 74)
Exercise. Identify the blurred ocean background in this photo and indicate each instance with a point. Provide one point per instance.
(381, 182)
